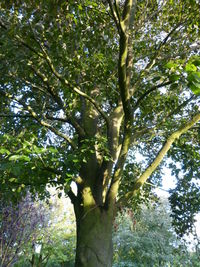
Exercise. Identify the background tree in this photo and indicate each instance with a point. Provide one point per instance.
(18, 225)
(53, 242)
(84, 85)
(147, 238)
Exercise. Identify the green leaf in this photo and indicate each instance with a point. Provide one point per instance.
(174, 77)
(52, 149)
(190, 67)
(196, 62)
(80, 7)
(39, 150)
(19, 157)
(84, 160)
(195, 87)
(12, 180)
(194, 82)
(171, 64)
(196, 76)
(4, 151)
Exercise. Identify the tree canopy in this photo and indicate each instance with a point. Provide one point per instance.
(86, 85)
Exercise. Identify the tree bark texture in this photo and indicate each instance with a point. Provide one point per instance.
(94, 238)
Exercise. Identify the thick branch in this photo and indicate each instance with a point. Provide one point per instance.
(113, 189)
(129, 61)
(69, 120)
(124, 58)
(116, 119)
(163, 151)
(124, 64)
(126, 14)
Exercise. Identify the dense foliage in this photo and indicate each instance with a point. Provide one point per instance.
(85, 86)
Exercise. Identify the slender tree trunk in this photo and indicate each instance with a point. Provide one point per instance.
(94, 238)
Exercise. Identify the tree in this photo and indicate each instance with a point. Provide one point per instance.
(18, 224)
(53, 242)
(147, 238)
(84, 86)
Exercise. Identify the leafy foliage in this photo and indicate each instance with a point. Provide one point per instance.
(85, 84)
(147, 238)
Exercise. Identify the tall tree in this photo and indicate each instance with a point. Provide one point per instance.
(85, 85)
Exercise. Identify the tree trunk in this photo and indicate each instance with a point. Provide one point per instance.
(94, 238)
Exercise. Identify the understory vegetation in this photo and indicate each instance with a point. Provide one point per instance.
(39, 234)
